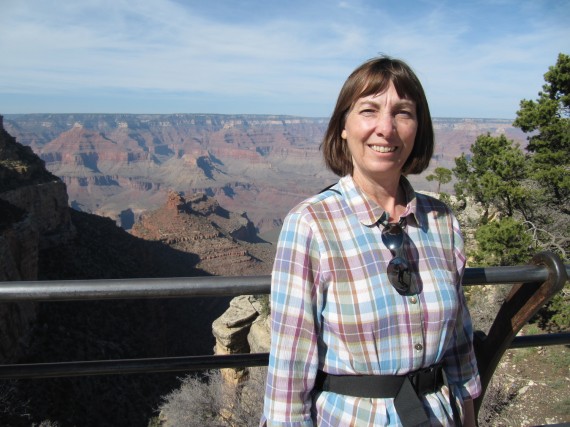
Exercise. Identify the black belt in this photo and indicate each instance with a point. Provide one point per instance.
(404, 389)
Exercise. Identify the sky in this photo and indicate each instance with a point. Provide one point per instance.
(476, 59)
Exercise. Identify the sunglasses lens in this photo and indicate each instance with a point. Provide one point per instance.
(393, 236)
(398, 270)
(399, 275)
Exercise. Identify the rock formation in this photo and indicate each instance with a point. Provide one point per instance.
(33, 216)
(243, 328)
(223, 241)
(261, 165)
(27, 185)
(111, 163)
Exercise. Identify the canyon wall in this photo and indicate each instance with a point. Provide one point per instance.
(121, 165)
(34, 216)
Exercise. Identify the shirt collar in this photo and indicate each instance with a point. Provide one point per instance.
(369, 212)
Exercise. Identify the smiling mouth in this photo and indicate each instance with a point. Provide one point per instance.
(382, 149)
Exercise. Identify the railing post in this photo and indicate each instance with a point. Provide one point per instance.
(522, 303)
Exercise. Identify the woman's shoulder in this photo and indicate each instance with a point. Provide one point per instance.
(328, 198)
(427, 202)
(431, 210)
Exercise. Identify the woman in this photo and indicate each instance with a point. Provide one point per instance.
(369, 322)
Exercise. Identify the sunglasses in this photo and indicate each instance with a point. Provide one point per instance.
(398, 270)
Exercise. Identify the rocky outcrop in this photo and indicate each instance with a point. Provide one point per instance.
(33, 216)
(243, 328)
(221, 239)
(26, 184)
(46, 204)
(259, 337)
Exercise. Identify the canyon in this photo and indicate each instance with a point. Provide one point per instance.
(199, 194)
(122, 165)
(42, 238)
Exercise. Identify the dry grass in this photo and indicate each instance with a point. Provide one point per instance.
(210, 401)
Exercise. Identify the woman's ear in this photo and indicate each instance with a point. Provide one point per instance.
(343, 134)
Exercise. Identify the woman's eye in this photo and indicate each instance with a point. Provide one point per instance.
(367, 112)
(405, 113)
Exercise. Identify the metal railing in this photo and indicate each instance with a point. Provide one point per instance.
(545, 276)
(216, 286)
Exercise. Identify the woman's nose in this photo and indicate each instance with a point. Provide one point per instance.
(385, 125)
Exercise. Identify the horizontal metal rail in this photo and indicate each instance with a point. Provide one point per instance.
(213, 286)
(208, 286)
(132, 366)
(539, 340)
(191, 363)
(175, 287)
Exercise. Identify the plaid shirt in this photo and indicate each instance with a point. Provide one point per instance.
(333, 308)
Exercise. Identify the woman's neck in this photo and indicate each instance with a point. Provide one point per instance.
(388, 194)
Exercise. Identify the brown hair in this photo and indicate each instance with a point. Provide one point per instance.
(370, 78)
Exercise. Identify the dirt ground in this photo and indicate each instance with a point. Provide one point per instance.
(531, 387)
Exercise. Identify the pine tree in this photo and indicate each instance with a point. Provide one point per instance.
(441, 175)
(494, 175)
(548, 121)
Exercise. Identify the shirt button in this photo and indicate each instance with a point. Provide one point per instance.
(413, 300)
(419, 347)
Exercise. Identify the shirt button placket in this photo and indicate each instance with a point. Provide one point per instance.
(417, 336)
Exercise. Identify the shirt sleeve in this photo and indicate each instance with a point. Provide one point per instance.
(460, 363)
(293, 358)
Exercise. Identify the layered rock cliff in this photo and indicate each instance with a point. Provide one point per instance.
(33, 216)
(263, 165)
(41, 238)
(111, 163)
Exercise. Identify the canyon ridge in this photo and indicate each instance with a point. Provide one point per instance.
(122, 165)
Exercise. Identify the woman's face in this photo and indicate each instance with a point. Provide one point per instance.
(380, 131)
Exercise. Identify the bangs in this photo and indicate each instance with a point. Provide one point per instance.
(377, 83)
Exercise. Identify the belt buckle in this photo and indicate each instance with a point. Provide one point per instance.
(424, 380)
